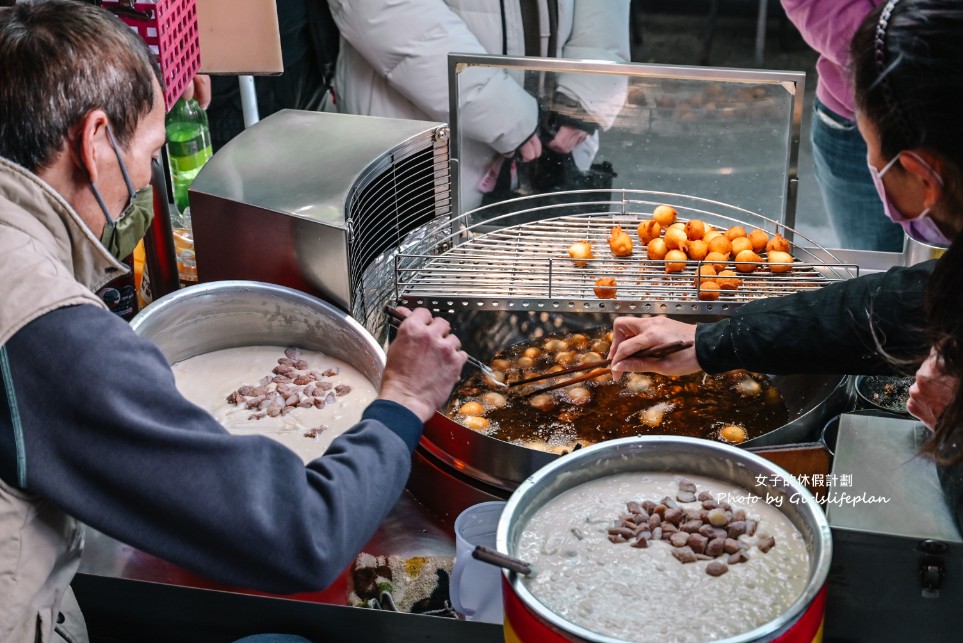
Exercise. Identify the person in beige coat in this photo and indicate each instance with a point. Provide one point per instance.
(393, 63)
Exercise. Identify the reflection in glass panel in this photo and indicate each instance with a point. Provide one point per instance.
(725, 136)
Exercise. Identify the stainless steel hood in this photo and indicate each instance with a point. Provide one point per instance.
(315, 201)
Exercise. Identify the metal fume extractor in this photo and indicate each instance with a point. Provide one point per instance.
(318, 202)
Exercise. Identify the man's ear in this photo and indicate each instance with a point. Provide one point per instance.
(928, 172)
(92, 143)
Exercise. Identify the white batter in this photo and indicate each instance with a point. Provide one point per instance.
(646, 594)
(207, 380)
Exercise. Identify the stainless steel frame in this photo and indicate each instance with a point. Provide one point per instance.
(792, 81)
(520, 261)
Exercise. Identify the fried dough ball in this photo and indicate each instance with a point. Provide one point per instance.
(494, 399)
(779, 261)
(739, 244)
(620, 243)
(735, 232)
(705, 274)
(578, 341)
(749, 387)
(580, 250)
(605, 288)
(498, 376)
(476, 423)
(728, 280)
(675, 261)
(698, 249)
(638, 382)
(747, 256)
(532, 352)
(759, 240)
(542, 402)
(471, 408)
(649, 230)
(721, 245)
(678, 225)
(501, 364)
(709, 291)
(711, 234)
(733, 434)
(524, 362)
(656, 249)
(565, 357)
(653, 415)
(717, 260)
(665, 215)
(578, 395)
(676, 239)
(601, 346)
(555, 345)
(589, 357)
(695, 229)
(778, 242)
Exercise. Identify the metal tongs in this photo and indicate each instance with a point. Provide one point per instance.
(599, 368)
(396, 318)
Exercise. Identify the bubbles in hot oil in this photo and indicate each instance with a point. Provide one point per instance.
(597, 409)
(652, 416)
(637, 382)
(560, 435)
(748, 387)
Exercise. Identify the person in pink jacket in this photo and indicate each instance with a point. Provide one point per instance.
(839, 152)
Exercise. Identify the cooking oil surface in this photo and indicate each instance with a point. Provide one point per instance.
(728, 407)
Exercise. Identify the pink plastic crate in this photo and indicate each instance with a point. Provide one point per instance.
(170, 30)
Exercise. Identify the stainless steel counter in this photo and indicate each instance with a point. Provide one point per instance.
(409, 530)
(127, 594)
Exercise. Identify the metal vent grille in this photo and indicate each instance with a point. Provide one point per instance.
(519, 260)
(405, 190)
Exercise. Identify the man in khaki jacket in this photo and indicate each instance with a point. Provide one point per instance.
(92, 428)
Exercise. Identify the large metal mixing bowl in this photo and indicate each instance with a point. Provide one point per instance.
(810, 399)
(228, 314)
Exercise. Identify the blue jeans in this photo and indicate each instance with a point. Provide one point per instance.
(853, 205)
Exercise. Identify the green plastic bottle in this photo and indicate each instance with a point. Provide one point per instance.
(188, 146)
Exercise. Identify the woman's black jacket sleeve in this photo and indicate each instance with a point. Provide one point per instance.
(834, 329)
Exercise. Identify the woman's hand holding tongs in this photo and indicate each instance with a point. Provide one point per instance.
(633, 334)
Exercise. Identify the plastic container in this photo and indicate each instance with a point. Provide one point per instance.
(475, 588)
(141, 277)
(169, 27)
(184, 248)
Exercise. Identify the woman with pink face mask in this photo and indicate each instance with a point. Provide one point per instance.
(907, 61)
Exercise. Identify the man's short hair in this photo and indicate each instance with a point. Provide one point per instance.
(60, 60)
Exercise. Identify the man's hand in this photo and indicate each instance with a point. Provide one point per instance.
(566, 139)
(932, 391)
(424, 363)
(632, 334)
(200, 88)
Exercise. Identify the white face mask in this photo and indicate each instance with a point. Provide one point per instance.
(922, 227)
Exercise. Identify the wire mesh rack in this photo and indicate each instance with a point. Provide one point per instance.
(515, 256)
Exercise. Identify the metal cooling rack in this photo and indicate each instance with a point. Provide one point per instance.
(514, 256)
